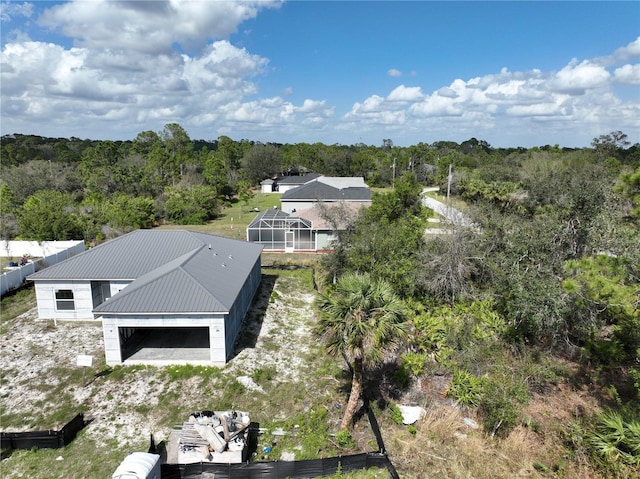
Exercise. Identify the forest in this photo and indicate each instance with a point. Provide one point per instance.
(549, 270)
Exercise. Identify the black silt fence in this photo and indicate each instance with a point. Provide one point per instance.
(48, 439)
(277, 469)
(286, 469)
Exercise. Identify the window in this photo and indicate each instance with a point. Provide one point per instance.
(64, 300)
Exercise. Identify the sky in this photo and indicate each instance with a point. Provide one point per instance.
(509, 73)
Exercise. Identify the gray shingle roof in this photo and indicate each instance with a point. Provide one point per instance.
(297, 180)
(318, 191)
(172, 271)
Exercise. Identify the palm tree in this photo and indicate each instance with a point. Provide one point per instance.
(361, 319)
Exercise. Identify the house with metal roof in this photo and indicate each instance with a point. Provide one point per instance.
(163, 296)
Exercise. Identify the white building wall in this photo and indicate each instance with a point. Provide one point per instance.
(111, 325)
(289, 206)
(46, 297)
(117, 286)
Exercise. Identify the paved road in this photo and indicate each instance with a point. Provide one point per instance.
(448, 212)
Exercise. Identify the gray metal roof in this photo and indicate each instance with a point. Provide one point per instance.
(318, 191)
(172, 271)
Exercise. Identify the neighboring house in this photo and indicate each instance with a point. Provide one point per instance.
(341, 182)
(148, 283)
(306, 231)
(282, 184)
(321, 190)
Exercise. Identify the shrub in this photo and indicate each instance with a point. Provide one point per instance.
(501, 404)
(396, 414)
(616, 439)
(414, 363)
(345, 440)
(465, 388)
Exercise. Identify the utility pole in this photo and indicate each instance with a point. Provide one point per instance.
(449, 184)
(393, 182)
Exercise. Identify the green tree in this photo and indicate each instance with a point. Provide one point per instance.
(245, 194)
(100, 169)
(229, 153)
(7, 217)
(192, 206)
(360, 319)
(605, 291)
(385, 238)
(179, 150)
(126, 213)
(262, 161)
(49, 215)
(630, 187)
(610, 145)
(214, 172)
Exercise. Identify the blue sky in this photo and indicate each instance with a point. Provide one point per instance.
(510, 73)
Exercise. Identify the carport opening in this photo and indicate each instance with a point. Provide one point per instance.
(146, 345)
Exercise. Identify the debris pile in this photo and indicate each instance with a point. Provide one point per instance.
(214, 436)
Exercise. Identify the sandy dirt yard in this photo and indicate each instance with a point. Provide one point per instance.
(36, 356)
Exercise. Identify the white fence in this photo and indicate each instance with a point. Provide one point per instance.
(52, 251)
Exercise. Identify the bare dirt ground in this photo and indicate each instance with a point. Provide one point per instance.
(33, 352)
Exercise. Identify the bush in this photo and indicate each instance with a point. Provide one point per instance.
(396, 414)
(345, 440)
(465, 388)
(501, 404)
(616, 439)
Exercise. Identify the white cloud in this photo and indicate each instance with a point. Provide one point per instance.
(436, 105)
(578, 98)
(120, 84)
(406, 94)
(622, 55)
(149, 26)
(576, 78)
(8, 10)
(628, 74)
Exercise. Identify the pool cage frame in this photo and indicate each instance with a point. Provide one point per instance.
(279, 231)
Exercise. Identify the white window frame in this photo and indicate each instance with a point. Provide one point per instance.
(65, 301)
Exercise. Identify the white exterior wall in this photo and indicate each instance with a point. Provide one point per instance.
(283, 188)
(289, 206)
(111, 325)
(46, 297)
(117, 286)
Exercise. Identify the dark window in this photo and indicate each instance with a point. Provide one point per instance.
(64, 300)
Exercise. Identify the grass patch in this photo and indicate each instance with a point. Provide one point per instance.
(235, 217)
(15, 303)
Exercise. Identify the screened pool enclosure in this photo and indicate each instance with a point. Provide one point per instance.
(277, 230)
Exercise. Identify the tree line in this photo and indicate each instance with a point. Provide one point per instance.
(63, 188)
